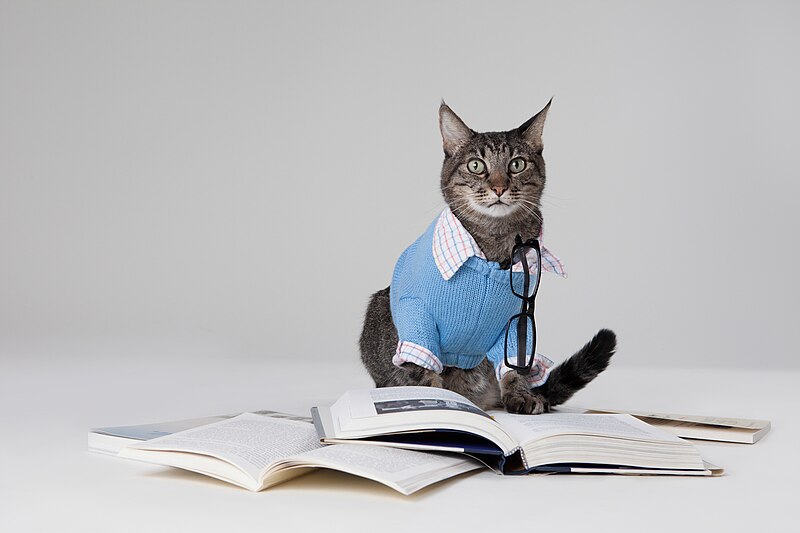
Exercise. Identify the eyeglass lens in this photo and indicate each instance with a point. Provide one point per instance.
(520, 348)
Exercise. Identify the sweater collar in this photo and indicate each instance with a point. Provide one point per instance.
(453, 245)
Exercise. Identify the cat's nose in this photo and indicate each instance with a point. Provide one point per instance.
(499, 190)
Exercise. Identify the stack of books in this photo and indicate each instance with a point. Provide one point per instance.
(410, 437)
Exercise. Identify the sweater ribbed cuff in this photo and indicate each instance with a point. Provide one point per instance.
(409, 352)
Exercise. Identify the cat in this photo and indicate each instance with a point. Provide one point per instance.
(492, 183)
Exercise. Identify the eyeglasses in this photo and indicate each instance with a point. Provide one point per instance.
(523, 321)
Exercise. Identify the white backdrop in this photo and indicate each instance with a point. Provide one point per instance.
(232, 180)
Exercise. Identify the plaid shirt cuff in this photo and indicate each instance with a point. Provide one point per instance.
(539, 371)
(408, 352)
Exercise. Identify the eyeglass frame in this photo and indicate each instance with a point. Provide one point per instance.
(527, 306)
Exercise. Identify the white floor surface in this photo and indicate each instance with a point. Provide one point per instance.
(50, 483)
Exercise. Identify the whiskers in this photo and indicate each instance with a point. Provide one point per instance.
(461, 207)
(530, 207)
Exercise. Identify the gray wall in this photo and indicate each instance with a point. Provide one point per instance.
(233, 179)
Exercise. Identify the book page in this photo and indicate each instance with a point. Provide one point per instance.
(409, 470)
(160, 429)
(372, 402)
(723, 422)
(394, 410)
(381, 459)
(249, 441)
(527, 428)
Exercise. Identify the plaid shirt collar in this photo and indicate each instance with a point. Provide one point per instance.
(453, 245)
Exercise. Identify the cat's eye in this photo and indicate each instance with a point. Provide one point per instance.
(476, 166)
(516, 165)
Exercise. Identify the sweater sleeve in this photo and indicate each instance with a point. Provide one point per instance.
(540, 369)
(418, 335)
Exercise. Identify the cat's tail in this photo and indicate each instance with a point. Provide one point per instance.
(573, 374)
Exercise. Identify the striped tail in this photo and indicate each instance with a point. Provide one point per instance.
(573, 374)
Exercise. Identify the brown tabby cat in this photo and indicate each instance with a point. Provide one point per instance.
(493, 205)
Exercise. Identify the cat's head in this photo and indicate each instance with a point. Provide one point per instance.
(494, 177)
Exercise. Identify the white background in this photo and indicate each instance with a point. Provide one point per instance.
(235, 179)
(197, 199)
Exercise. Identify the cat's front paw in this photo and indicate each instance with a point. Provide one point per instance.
(517, 397)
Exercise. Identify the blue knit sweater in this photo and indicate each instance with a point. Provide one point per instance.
(462, 319)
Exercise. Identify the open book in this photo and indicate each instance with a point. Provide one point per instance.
(110, 440)
(426, 418)
(256, 451)
(717, 428)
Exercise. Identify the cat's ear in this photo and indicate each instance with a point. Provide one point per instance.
(532, 130)
(454, 132)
